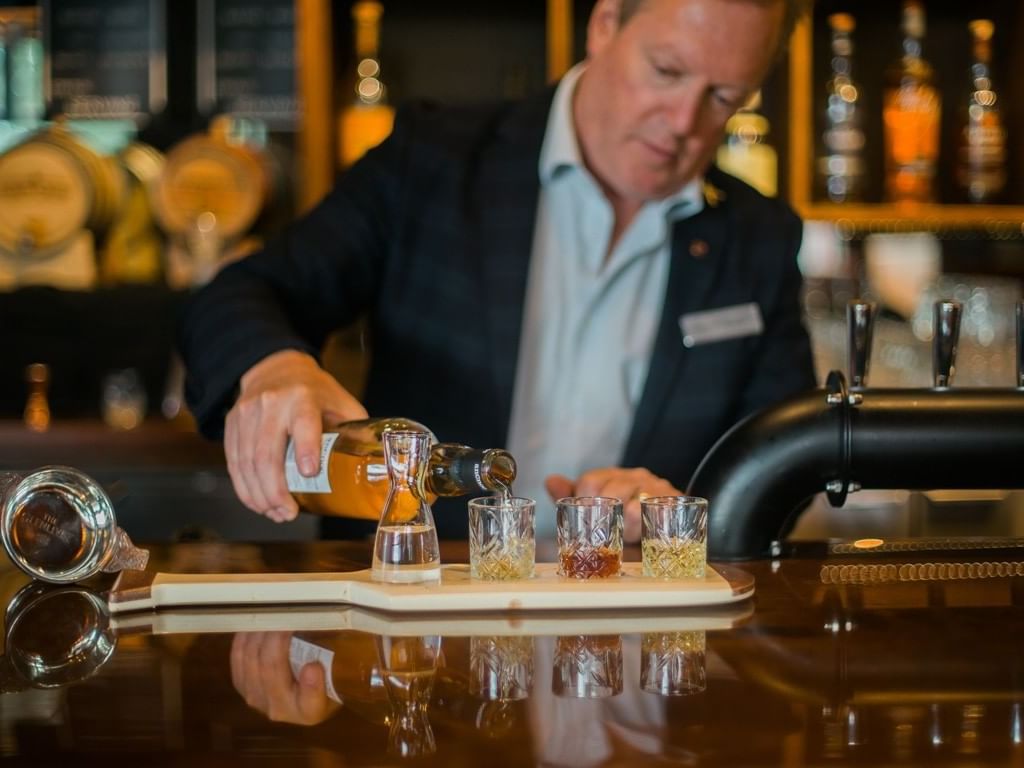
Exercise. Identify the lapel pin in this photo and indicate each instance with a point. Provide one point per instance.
(712, 194)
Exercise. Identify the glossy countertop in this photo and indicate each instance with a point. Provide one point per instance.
(907, 654)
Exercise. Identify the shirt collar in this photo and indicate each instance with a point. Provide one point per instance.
(561, 150)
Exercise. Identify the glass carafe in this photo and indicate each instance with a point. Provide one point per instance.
(409, 667)
(406, 548)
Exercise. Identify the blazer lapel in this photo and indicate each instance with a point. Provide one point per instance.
(505, 199)
(698, 246)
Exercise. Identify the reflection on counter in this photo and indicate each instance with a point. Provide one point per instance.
(855, 670)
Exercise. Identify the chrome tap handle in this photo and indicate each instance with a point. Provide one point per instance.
(860, 321)
(944, 341)
(1020, 344)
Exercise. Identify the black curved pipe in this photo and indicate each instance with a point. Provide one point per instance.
(758, 475)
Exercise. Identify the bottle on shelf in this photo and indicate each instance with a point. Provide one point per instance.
(366, 120)
(26, 103)
(3, 71)
(353, 479)
(746, 153)
(841, 166)
(911, 113)
(981, 155)
(37, 407)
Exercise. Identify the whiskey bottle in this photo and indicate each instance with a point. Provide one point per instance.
(840, 168)
(353, 478)
(981, 156)
(367, 120)
(910, 113)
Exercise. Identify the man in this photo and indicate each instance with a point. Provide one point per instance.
(566, 276)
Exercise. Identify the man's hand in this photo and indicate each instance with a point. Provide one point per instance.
(285, 394)
(261, 673)
(626, 484)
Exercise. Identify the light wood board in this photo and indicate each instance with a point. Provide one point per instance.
(455, 592)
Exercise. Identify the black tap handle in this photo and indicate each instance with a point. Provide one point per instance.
(1020, 344)
(860, 320)
(944, 341)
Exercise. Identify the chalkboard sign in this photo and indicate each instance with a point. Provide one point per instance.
(246, 61)
(105, 58)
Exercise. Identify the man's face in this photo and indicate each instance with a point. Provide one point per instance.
(651, 108)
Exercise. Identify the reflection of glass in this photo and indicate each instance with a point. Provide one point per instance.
(587, 666)
(672, 663)
(57, 524)
(501, 668)
(124, 399)
(54, 636)
(589, 536)
(409, 665)
(501, 538)
(406, 548)
(674, 539)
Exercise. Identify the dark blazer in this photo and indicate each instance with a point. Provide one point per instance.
(431, 234)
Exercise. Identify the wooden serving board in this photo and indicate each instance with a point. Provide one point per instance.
(142, 591)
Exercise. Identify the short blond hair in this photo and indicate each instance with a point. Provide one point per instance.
(794, 10)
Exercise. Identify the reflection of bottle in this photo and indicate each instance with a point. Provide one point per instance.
(746, 152)
(841, 166)
(981, 159)
(405, 548)
(353, 476)
(910, 111)
(367, 120)
(409, 666)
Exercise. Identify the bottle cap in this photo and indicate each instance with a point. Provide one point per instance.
(57, 524)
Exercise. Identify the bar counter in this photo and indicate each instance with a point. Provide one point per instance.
(898, 655)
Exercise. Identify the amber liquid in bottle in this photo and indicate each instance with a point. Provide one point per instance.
(911, 111)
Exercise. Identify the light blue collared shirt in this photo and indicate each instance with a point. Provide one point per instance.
(589, 322)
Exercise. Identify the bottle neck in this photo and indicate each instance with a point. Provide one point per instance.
(459, 470)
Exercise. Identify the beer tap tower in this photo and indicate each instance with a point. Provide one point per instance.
(841, 438)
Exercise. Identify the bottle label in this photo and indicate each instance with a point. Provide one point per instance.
(302, 652)
(467, 472)
(319, 483)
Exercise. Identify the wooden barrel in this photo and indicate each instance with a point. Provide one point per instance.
(51, 188)
(207, 179)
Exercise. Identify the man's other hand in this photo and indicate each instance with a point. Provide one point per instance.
(630, 485)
